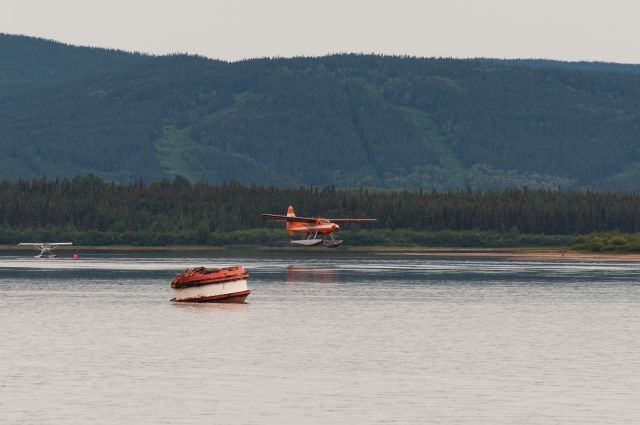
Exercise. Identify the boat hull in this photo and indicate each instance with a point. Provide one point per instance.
(233, 291)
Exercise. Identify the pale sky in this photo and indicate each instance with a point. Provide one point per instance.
(236, 29)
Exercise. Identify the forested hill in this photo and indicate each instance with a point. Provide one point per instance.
(344, 120)
(28, 59)
(571, 66)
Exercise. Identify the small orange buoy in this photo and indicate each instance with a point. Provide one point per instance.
(75, 256)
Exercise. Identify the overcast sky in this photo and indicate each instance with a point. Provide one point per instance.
(235, 29)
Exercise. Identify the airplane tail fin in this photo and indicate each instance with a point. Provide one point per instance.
(290, 213)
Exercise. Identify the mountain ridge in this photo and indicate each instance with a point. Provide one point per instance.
(345, 120)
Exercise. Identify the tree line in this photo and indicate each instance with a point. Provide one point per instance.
(180, 212)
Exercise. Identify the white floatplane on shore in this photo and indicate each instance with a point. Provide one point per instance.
(45, 248)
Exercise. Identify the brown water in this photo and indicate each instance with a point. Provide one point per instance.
(325, 339)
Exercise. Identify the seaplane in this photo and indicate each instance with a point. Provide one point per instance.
(318, 231)
(45, 248)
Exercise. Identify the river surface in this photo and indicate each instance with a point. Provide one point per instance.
(326, 337)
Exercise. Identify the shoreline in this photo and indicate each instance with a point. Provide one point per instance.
(535, 255)
(5, 247)
(525, 253)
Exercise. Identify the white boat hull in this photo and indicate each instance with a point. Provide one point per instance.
(234, 291)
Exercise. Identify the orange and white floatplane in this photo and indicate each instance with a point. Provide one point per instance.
(200, 284)
(312, 227)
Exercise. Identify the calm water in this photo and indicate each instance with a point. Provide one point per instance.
(326, 338)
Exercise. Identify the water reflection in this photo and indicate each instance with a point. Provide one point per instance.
(316, 274)
(211, 307)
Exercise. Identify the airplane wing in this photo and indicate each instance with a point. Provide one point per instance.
(277, 217)
(352, 220)
(39, 244)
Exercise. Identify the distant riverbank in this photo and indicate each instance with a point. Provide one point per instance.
(525, 254)
(549, 253)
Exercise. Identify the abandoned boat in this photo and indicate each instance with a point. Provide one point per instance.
(200, 284)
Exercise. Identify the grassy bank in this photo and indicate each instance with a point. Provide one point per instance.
(614, 242)
(607, 242)
(277, 237)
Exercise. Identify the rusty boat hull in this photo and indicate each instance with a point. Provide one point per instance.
(201, 285)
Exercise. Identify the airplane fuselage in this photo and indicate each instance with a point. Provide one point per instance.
(45, 252)
(322, 227)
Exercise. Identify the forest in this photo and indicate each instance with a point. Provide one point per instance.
(345, 120)
(91, 211)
